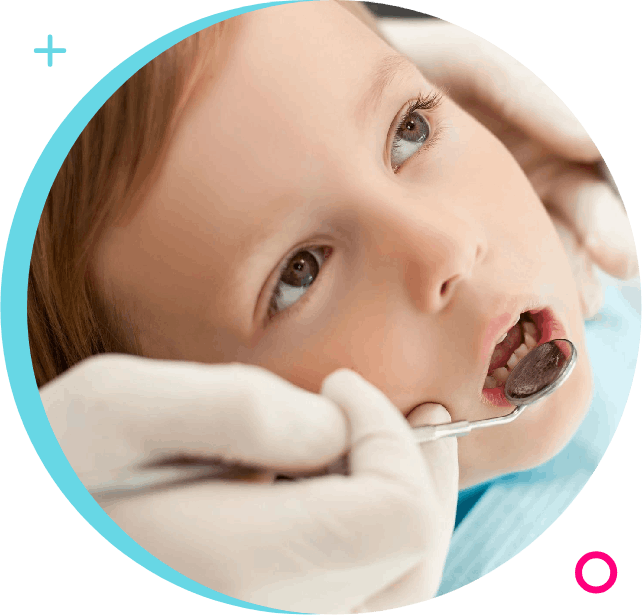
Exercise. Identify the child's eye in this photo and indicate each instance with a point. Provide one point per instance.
(409, 138)
(298, 273)
(413, 131)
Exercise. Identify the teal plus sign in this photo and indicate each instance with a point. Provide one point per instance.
(50, 50)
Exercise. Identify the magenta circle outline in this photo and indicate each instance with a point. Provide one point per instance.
(579, 567)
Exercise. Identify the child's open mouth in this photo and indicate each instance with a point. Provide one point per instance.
(532, 329)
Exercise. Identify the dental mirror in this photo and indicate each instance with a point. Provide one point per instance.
(543, 370)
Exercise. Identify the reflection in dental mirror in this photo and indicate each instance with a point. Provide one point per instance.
(540, 372)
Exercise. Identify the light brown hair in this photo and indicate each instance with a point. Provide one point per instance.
(112, 164)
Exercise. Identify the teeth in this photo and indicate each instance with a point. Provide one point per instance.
(500, 375)
(521, 352)
(490, 382)
(529, 328)
(512, 362)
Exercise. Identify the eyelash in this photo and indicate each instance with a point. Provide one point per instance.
(431, 102)
(421, 103)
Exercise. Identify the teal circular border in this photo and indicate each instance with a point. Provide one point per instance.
(13, 307)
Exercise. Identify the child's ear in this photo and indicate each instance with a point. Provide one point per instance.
(589, 287)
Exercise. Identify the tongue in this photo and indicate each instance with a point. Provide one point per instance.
(505, 349)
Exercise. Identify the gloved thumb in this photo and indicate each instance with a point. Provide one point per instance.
(440, 456)
(428, 414)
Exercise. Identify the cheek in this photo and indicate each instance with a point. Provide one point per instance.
(369, 337)
(570, 403)
(548, 428)
(304, 366)
(374, 341)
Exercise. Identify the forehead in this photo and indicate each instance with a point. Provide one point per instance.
(306, 39)
(279, 117)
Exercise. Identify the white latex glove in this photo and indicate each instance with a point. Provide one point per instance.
(551, 146)
(146, 437)
(128, 423)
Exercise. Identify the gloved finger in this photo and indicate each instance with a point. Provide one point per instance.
(440, 457)
(589, 286)
(591, 292)
(426, 414)
(598, 219)
(418, 585)
(422, 582)
(371, 526)
(477, 73)
(375, 425)
(114, 414)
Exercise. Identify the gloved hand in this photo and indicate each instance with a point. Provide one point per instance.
(145, 438)
(441, 462)
(127, 423)
(553, 149)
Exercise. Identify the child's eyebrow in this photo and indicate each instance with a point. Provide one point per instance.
(390, 67)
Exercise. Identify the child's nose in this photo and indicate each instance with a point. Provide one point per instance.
(437, 249)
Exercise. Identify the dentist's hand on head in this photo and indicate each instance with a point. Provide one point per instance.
(149, 440)
(551, 146)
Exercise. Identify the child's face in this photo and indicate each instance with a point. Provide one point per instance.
(415, 271)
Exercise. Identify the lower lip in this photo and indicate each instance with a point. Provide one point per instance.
(550, 329)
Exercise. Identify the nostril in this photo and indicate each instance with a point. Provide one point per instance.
(444, 288)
